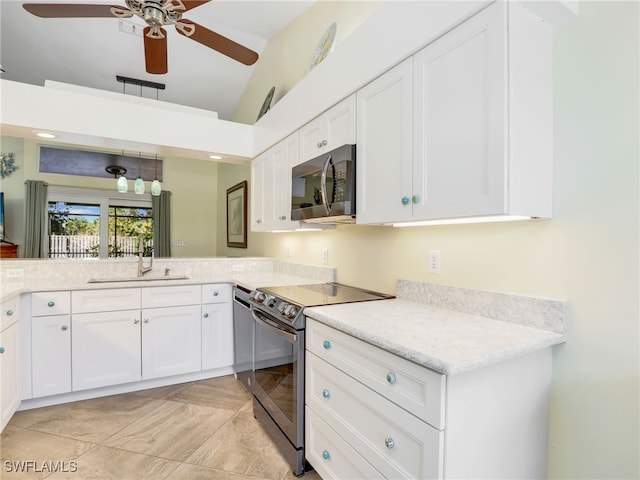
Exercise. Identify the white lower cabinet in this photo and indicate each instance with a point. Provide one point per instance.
(372, 414)
(106, 348)
(171, 341)
(51, 363)
(330, 455)
(217, 335)
(10, 375)
(217, 326)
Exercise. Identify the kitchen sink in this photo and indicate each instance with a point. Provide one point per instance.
(138, 279)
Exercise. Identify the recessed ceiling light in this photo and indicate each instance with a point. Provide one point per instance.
(45, 135)
(215, 157)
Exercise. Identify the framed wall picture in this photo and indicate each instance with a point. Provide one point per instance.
(237, 215)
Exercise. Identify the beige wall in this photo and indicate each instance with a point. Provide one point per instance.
(588, 253)
(285, 59)
(193, 185)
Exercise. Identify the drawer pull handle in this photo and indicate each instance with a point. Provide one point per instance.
(215, 293)
(391, 378)
(1, 349)
(325, 393)
(206, 315)
(136, 321)
(9, 313)
(146, 320)
(326, 455)
(326, 344)
(389, 443)
(51, 303)
(64, 328)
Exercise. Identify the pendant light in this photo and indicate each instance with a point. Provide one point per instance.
(156, 188)
(138, 186)
(119, 173)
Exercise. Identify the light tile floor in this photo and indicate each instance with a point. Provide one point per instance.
(197, 430)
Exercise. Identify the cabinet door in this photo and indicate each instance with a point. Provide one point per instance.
(10, 371)
(106, 348)
(340, 124)
(171, 341)
(459, 120)
(384, 160)
(261, 186)
(217, 335)
(285, 155)
(51, 355)
(332, 129)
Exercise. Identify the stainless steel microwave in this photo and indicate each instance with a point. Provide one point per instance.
(323, 189)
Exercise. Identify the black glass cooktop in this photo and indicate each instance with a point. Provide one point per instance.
(323, 294)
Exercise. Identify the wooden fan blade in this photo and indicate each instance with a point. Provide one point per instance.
(217, 42)
(189, 4)
(68, 10)
(155, 52)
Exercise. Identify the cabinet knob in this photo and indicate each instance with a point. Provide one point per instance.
(405, 200)
(325, 393)
(216, 293)
(319, 145)
(136, 321)
(415, 199)
(326, 344)
(258, 221)
(326, 455)
(9, 313)
(391, 378)
(206, 315)
(146, 320)
(1, 349)
(389, 443)
(51, 303)
(282, 217)
(324, 142)
(64, 328)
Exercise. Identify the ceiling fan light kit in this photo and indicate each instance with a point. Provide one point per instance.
(156, 14)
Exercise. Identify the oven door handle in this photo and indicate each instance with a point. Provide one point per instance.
(260, 317)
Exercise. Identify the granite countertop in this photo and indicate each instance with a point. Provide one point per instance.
(249, 280)
(446, 341)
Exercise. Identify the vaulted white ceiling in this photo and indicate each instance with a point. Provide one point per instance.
(91, 52)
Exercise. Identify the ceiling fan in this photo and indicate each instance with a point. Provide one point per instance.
(156, 13)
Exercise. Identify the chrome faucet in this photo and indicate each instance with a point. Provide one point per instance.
(141, 268)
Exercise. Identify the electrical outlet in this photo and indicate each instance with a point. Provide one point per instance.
(15, 273)
(181, 243)
(287, 251)
(434, 261)
(325, 256)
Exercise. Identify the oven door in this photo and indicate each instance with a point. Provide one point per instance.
(279, 374)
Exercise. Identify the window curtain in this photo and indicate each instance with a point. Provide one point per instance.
(161, 205)
(35, 231)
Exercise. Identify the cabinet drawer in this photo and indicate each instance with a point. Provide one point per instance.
(50, 303)
(171, 296)
(216, 293)
(417, 389)
(107, 300)
(330, 455)
(395, 442)
(10, 313)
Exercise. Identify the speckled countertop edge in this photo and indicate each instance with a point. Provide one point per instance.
(442, 340)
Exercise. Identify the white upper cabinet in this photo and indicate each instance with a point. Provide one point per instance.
(383, 157)
(332, 129)
(271, 179)
(479, 141)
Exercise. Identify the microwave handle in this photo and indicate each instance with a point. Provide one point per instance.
(323, 186)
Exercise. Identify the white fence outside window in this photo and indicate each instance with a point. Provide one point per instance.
(86, 246)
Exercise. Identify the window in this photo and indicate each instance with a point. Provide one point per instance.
(95, 223)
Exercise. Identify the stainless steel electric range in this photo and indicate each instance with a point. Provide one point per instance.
(278, 357)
